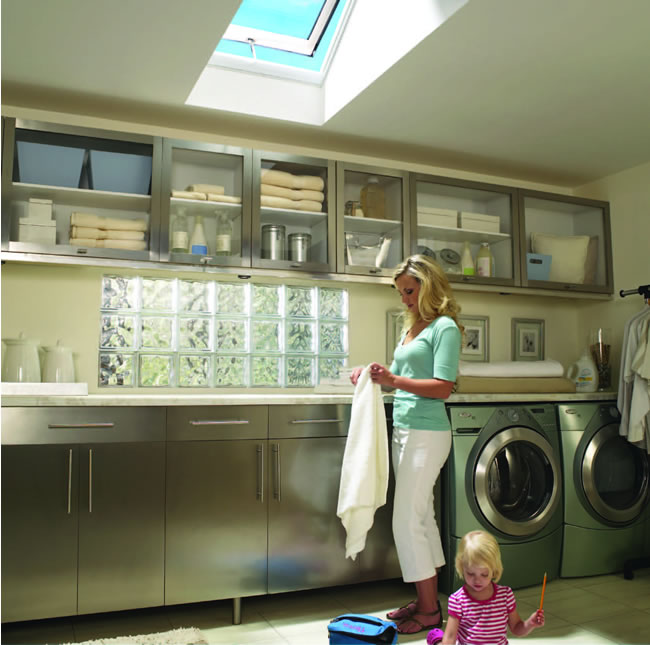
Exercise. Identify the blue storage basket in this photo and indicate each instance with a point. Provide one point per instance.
(120, 172)
(41, 163)
(538, 266)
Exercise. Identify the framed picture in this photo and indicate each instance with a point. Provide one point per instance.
(394, 322)
(527, 339)
(475, 345)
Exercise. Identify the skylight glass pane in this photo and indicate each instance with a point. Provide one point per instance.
(288, 17)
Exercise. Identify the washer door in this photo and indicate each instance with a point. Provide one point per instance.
(614, 476)
(517, 481)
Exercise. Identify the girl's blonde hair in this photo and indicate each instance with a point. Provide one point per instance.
(479, 549)
(436, 297)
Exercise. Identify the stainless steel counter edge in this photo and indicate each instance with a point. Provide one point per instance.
(137, 400)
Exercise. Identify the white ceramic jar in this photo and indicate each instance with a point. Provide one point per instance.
(21, 363)
(58, 366)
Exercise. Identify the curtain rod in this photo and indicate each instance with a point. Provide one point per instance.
(643, 290)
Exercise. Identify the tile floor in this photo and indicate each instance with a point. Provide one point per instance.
(603, 609)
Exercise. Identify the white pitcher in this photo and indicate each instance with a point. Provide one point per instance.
(21, 363)
(58, 366)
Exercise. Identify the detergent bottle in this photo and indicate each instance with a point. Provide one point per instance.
(584, 373)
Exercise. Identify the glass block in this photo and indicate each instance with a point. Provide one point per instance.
(194, 371)
(194, 333)
(266, 371)
(155, 370)
(266, 335)
(156, 332)
(232, 298)
(230, 371)
(157, 294)
(266, 300)
(300, 371)
(333, 303)
(119, 292)
(300, 336)
(194, 296)
(230, 335)
(116, 369)
(333, 338)
(300, 302)
(330, 368)
(117, 332)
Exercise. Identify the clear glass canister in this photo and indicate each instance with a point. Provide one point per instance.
(299, 247)
(273, 241)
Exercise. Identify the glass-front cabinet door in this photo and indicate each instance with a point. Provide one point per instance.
(293, 212)
(372, 207)
(467, 227)
(565, 242)
(80, 191)
(206, 204)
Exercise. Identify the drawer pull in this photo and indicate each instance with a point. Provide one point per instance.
(70, 481)
(296, 421)
(90, 481)
(260, 472)
(225, 422)
(75, 426)
(277, 479)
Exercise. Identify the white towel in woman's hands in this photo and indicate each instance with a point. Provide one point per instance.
(511, 369)
(364, 473)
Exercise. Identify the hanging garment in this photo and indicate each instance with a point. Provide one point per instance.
(364, 474)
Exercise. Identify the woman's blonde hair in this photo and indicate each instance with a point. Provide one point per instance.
(479, 549)
(436, 297)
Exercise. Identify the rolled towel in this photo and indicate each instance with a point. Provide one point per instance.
(286, 179)
(84, 241)
(105, 223)
(186, 194)
(227, 199)
(513, 369)
(130, 245)
(289, 193)
(281, 202)
(99, 234)
(206, 188)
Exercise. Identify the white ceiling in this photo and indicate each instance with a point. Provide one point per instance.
(551, 90)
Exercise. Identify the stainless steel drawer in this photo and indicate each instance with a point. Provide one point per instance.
(58, 425)
(294, 421)
(217, 423)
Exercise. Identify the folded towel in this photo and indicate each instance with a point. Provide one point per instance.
(289, 193)
(186, 194)
(504, 385)
(512, 369)
(206, 188)
(99, 234)
(300, 204)
(228, 199)
(286, 179)
(364, 472)
(130, 245)
(105, 223)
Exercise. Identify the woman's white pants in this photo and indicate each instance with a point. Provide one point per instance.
(418, 457)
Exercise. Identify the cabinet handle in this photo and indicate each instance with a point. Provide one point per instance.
(316, 421)
(220, 423)
(276, 477)
(58, 426)
(90, 480)
(260, 472)
(70, 481)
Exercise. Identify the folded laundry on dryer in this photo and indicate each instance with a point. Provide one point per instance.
(548, 367)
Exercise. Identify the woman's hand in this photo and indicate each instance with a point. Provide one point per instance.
(380, 375)
(356, 373)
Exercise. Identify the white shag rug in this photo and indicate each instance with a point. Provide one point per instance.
(183, 636)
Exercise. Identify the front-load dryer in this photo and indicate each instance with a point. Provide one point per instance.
(606, 491)
(504, 476)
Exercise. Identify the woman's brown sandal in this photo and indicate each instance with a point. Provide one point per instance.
(403, 612)
(420, 627)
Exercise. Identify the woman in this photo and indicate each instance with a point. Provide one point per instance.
(422, 374)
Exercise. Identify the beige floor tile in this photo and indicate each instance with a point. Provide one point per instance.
(634, 627)
(123, 623)
(566, 635)
(581, 605)
(54, 631)
(635, 593)
(260, 633)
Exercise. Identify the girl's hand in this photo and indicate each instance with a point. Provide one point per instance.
(380, 375)
(356, 373)
(537, 619)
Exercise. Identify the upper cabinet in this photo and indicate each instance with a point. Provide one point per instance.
(80, 192)
(470, 228)
(565, 243)
(205, 204)
(293, 224)
(372, 219)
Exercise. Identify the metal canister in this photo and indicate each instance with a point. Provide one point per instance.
(299, 247)
(273, 236)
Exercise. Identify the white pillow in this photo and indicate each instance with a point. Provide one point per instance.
(568, 255)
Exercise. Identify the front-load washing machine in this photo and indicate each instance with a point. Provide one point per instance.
(606, 491)
(504, 476)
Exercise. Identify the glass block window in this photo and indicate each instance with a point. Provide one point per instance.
(157, 332)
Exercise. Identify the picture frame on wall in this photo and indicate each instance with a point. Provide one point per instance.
(527, 339)
(475, 346)
(394, 322)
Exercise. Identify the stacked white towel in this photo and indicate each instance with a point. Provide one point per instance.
(281, 189)
(96, 231)
(206, 192)
(512, 369)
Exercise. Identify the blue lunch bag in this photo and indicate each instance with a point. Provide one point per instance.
(352, 629)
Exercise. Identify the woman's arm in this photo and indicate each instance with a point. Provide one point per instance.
(431, 388)
(520, 627)
(451, 631)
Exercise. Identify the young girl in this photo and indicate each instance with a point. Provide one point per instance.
(481, 610)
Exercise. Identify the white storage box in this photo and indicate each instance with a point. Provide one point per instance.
(480, 222)
(39, 209)
(437, 217)
(36, 231)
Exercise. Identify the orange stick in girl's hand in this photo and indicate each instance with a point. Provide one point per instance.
(541, 602)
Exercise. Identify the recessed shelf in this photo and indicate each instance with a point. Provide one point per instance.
(204, 205)
(290, 217)
(369, 225)
(460, 234)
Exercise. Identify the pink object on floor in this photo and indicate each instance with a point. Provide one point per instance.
(435, 636)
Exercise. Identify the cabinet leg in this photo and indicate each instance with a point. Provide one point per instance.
(236, 611)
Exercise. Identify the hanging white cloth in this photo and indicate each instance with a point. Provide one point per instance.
(364, 473)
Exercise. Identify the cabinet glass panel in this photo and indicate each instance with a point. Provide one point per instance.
(206, 221)
(467, 227)
(292, 224)
(566, 243)
(81, 192)
(372, 204)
